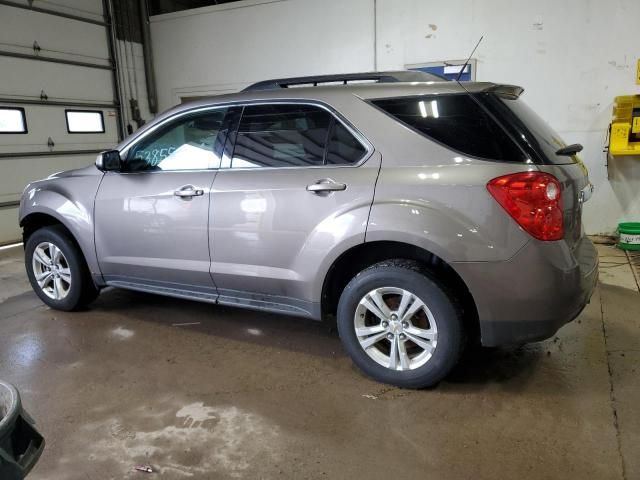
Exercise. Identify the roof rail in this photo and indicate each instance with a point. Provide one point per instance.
(345, 78)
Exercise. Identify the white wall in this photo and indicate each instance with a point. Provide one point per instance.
(223, 48)
(572, 56)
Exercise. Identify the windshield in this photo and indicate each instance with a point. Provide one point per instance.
(532, 130)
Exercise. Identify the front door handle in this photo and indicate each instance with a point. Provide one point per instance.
(326, 185)
(188, 191)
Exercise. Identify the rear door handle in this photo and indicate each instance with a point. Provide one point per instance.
(326, 185)
(188, 191)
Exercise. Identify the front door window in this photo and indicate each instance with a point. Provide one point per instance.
(192, 143)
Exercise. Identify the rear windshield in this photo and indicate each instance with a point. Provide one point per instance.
(537, 135)
(456, 121)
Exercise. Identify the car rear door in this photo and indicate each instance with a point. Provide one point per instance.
(299, 182)
(152, 217)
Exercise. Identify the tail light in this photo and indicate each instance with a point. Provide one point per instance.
(534, 200)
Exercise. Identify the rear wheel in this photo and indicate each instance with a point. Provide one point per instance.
(57, 270)
(399, 326)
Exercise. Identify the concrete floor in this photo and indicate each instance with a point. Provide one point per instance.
(199, 391)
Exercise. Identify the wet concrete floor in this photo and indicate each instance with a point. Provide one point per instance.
(208, 392)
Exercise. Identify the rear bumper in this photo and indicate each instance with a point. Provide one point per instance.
(529, 297)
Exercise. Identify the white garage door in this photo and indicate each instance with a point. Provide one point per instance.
(58, 104)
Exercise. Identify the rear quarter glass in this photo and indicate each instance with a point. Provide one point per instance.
(457, 121)
(535, 135)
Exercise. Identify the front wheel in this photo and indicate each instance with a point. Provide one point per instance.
(399, 326)
(57, 270)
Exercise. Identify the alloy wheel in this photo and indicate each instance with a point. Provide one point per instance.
(51, 270)
(396, 328)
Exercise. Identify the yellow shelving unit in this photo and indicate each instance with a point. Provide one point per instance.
(625, 128)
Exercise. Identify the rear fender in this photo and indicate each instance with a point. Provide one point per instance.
(443, 231)
(330, 238)
(447, 210)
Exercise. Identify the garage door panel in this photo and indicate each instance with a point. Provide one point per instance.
(9, 229)
(20, 28)
(91, 9)
(44, 122)
(18, 172)
(75, 33)
(80, 144)
(27, 78)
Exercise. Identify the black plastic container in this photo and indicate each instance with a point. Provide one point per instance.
(20, 443)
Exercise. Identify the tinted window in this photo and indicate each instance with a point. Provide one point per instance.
(528, 126)
(343, 147)
(458, 122)
(192, 143)
(281, 136)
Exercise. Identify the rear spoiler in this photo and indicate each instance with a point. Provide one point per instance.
(508, 91)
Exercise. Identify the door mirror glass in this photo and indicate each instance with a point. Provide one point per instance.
(109, 161)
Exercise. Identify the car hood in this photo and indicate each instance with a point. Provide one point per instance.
(77, 172)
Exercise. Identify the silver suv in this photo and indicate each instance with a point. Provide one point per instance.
(421, 214)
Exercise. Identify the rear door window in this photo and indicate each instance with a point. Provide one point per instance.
(277, 135)
(343, 147)
(456, 121)
(293, 135)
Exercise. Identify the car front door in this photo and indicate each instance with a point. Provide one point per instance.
(299, 182)
(151, 218)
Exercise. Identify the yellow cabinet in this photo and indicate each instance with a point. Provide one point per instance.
(625, 128)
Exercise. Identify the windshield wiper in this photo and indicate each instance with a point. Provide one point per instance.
(570, 150)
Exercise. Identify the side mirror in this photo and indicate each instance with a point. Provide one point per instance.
(109, 161)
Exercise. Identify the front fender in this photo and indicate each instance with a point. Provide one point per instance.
(70, 201)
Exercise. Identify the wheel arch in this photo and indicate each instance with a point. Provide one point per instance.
(36, 220)
(363, 255)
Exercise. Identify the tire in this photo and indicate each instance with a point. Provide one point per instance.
(67, 283)
(435, 351)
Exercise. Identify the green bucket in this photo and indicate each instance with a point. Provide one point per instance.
(629, 235)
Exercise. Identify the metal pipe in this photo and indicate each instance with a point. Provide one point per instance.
(149, 73)
(375, 35)
(113, 57)
(26, 56)
(52, 12)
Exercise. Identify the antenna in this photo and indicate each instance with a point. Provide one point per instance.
(467, 62)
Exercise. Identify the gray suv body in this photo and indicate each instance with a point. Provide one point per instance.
(420, 214)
